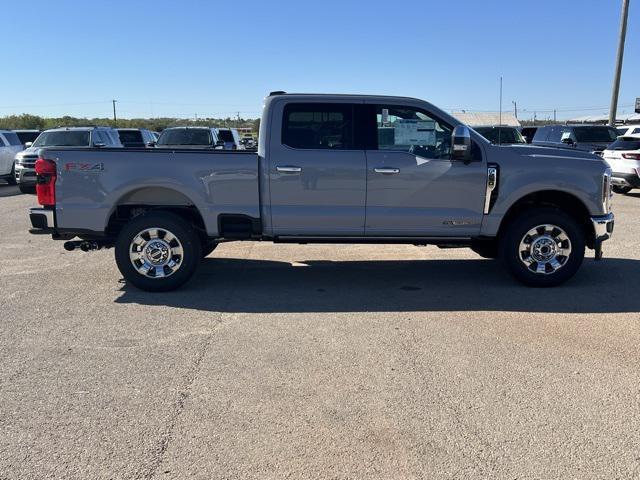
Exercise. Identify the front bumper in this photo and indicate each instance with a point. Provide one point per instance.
(603, 230)
(42, 220)
(25, 175)
(625, 180)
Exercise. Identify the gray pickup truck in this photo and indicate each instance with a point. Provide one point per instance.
(331, 169)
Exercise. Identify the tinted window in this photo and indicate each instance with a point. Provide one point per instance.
(130, 136)
(636, 130)
(27, 136)
(63, 138)
(621, 130)
(542, 134)
(186, 136)
(97, 137)
(497, 135)
(595, 134)
(317, 126)
(225, 135)
(625, 143)
(2, 142)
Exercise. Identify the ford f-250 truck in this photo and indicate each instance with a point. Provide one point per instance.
(331, 168)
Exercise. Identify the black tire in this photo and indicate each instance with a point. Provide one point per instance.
(28, 189)
(621, 190)
(486, 249)
(188, 261)
(11, 180)
(207, 248)
(519, 228)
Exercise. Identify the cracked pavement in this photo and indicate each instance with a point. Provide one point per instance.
(317, 361)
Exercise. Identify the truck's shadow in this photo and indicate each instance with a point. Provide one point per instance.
(234, 285)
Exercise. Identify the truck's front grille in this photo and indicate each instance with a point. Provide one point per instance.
(28, 161)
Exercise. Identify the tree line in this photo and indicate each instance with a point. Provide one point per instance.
(27, 121)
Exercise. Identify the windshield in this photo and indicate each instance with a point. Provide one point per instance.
(225, 135)
(507, 135)
(27, 136)
(596, 134)
(185, 136)
(625, 143)
(63, 138)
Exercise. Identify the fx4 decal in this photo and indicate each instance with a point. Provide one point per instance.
(83, 167)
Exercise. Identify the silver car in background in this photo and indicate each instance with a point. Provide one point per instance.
(10, 144)
(98, 137)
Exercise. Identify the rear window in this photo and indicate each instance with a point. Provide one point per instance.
(621, 131)
(625, 143)
(185, 136)
(596, 134)
(225, 135)
(12, 138)
(130, 136)
(27, 136)
(63, 138)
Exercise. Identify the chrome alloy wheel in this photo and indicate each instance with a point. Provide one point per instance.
(545, 249)
(156, 253)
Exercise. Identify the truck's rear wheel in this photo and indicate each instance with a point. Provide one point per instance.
(543, 248)
(158, 251)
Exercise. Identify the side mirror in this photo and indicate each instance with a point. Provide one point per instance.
(28, 144)
(99, 145)
(461, 144)
(151, 144)
(220, 143)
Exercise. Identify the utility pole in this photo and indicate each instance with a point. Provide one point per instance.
(500, 114)
(616, 79)
(534, 118)
(114, 112)
(515, 108)
(554, 115)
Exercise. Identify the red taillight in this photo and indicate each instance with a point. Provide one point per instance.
(46, 182)
(631, 156)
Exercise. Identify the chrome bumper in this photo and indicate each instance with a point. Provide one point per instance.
(603, 227)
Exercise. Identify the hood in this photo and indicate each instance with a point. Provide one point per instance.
(533, 151)
(27, 151)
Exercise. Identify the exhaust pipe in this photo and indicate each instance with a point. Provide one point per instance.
(83, 245)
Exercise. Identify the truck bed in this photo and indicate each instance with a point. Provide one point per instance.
(92, 183)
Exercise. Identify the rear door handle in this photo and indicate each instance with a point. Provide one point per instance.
(288, 169)
(387, 171)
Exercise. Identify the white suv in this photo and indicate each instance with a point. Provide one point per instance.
(623, 156)
(97, 137)
(10, 144)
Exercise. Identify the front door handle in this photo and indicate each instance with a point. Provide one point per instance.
(387, 171)
(288, 169)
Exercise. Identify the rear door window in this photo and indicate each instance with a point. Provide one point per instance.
(130, 136)
(318, 126)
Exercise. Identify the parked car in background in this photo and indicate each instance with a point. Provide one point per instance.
(189, 137)
(628, 130)
(500, 135)
(231, 138)
(74, 137)
(10, 144)
(136, 137)
(528, 133)
(27, 136)
(589, 138)
(623, 156)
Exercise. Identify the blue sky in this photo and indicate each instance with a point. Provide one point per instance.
(182, 58)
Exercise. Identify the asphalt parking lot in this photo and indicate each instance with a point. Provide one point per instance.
(286, 361)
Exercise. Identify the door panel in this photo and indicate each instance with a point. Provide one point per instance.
(317, 180)
(427, 197)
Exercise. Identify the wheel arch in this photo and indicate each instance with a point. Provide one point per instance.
(561, 200)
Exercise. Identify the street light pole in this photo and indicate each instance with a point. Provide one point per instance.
(616, 79)
(114, 112)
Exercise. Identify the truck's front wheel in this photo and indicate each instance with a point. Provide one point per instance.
(543, 248)
(157, 251)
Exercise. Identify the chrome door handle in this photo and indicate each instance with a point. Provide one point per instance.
(288, 169)
(387, 171)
